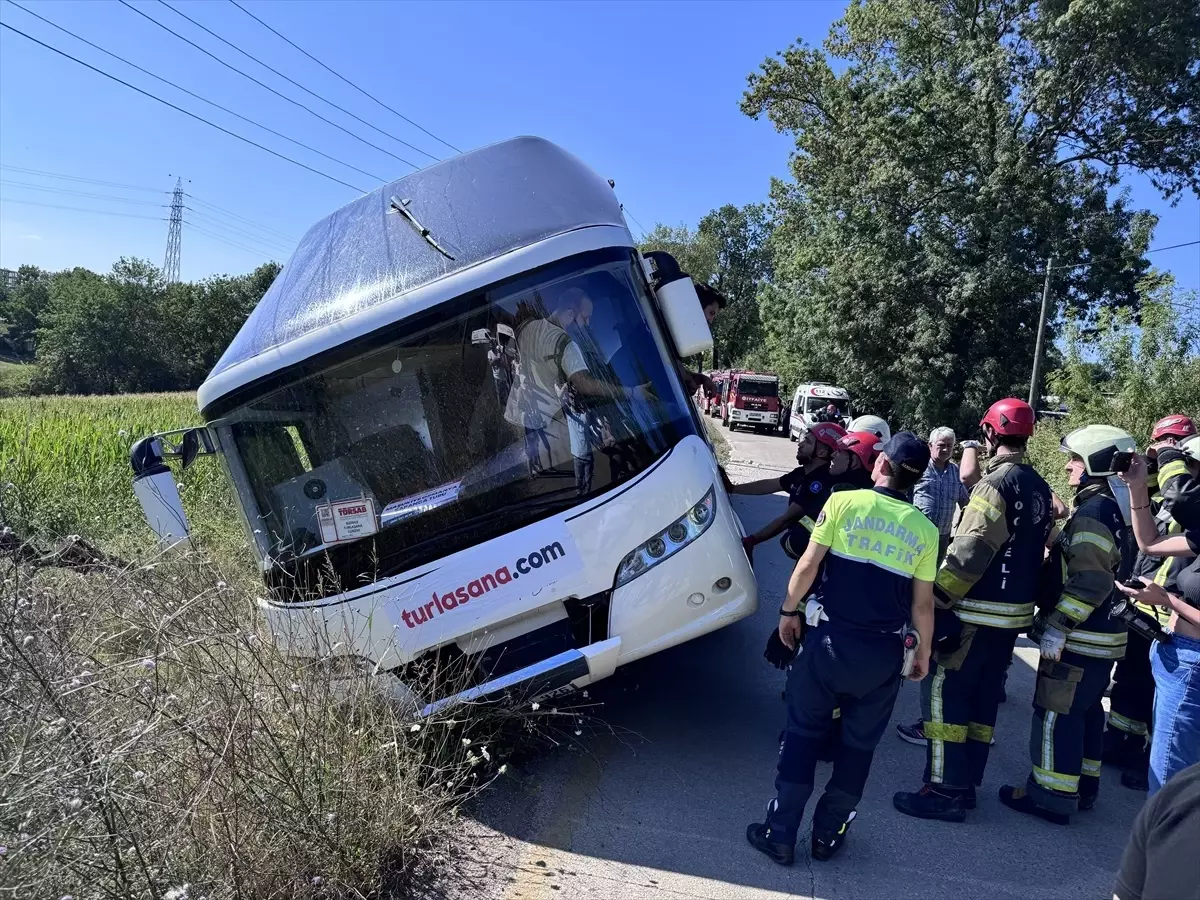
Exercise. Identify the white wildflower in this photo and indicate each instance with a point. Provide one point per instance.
(578, 732)
(503, 768)
(74, 804)
(57, 617)
(177, 893)
(27, 640)
(536, 707)
(329, 817)
(415, 728)
(139, 775)
(484, 753)
(466, 742)
(294, 687)
(317, 881)
(585, 695)
(554, 710)
(122, 433)
(149, 664)
(220, 585)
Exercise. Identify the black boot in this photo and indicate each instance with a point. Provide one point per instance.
(970, 801)
(932, 803)
(1016, 798)
(1136, 779)
(761, 839)
(824, 848)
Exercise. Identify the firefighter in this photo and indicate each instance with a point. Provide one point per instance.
(1167, 432)
(1078, 638)
(807, 486)
(985, 598)
(1126, 743)
(880, 558)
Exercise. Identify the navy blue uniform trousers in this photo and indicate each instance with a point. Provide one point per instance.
(860, 673)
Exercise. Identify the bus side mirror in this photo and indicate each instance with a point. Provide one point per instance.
(681, 308)
(155, 487)
(157, 492)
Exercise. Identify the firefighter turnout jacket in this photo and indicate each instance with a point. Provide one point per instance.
(1095, 547)
(990, 573)
(1172, 473)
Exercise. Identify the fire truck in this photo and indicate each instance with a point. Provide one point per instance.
(751, 399)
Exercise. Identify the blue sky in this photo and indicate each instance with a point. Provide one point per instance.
(645, 93)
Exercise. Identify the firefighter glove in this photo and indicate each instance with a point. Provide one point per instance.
(1052, 643)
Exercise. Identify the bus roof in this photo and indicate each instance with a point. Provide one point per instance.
(476, 207)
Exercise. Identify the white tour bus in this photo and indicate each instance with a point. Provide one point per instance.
(457, 432)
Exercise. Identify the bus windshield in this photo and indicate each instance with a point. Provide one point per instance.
(480, 416)
(753, 388)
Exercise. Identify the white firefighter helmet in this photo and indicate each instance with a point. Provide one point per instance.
(1190, 447)
(874, 424)
(1097, 445)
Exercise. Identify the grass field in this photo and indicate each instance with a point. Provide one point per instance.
(64, 469)
(15, 379)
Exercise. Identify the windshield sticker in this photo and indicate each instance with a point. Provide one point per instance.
(417, 504)
(347, 520)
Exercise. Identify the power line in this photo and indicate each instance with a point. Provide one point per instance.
(211, 103)
(625, 209)
(132, 187)
(233, 215)
(343, 77)
(193, 115)
(1106, 258)
(296, 83)
(266, 241)
(267, 87)
(216, 237)
(88, 194)
(100, 212)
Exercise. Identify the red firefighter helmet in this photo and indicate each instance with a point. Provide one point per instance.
(1010, 417)
(1173, 426)
(827, 433)
(863, 444)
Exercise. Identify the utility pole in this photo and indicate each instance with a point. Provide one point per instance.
(1035, 381)
(174, 234)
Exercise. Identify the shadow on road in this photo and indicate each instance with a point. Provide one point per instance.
(659, 804)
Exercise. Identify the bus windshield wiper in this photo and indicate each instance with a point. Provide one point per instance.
(401, 207)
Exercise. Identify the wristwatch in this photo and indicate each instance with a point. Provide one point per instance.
(790, 613)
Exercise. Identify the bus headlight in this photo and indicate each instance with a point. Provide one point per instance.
(667, 542)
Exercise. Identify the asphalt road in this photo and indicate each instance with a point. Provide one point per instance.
(657, 806)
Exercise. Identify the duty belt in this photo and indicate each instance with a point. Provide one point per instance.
(995, 614)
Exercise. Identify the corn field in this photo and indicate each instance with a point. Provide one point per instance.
(64, 469)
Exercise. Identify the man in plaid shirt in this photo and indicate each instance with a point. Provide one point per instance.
(940, 490)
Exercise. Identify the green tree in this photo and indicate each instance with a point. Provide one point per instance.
(943, 151)
(1129, 375)
(739, 237)
(104, 334)
(21, 308)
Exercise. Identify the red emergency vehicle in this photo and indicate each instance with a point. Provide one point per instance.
(751, 399)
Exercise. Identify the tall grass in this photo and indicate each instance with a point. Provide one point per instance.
(64, 469)
(156, 744)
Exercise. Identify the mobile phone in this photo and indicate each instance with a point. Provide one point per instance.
(1122, 460)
